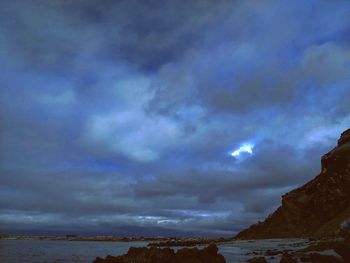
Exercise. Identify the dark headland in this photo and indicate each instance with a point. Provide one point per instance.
(318, 210)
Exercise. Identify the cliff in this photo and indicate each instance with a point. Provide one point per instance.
(316, 209)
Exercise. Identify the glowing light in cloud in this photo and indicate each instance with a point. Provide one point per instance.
(244, 148)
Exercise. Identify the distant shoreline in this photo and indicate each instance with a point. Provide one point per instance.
(154, 241)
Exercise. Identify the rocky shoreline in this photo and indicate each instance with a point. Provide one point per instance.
(321, 251)
(166, 255)
(312, 251)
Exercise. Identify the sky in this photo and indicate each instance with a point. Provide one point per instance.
(146, 117)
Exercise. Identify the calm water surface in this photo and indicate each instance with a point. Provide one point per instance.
(40, 251)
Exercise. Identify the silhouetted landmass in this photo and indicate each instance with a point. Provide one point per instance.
(183, 242)
(154, 241)
(167, 255)
(316, 209)
(93, 238)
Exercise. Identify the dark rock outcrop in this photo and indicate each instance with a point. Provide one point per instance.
(343, 250)
(326, 250)
(319, 258)
(257, 260)
(313, 253)
(287, 258)
(167, 255)
(316, 209)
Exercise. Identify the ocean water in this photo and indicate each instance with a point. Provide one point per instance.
(49, 251)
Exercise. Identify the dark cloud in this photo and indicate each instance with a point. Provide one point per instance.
(142, 33)
(120, 117)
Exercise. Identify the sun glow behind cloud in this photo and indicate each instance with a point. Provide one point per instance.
(244, 148)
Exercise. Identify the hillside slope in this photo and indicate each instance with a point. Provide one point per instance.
(315, 209)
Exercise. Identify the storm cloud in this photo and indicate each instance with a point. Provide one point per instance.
(120, 117)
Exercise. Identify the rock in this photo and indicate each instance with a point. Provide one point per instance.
(341, 247)
(318, 258)
(317, 208)
(343, 250)
(211, 250)
(166, 255)
(345, 229)
(287, 258)
(321, 245)
(344, 138)
(257, 260)
(272, 252)
(99, 260)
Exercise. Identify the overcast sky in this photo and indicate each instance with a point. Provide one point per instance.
(165, 117)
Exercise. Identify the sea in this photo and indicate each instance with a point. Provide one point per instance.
(59, 251)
